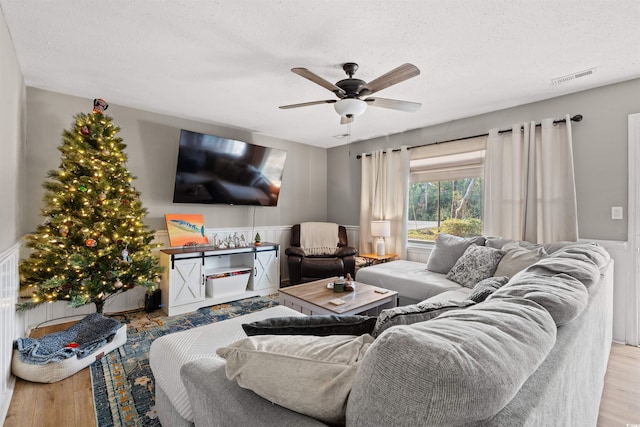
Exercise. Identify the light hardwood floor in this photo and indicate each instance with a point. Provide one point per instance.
(70, 403)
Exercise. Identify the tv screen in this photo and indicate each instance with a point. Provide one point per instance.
(212, 169)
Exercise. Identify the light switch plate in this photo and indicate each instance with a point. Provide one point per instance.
(616, 212)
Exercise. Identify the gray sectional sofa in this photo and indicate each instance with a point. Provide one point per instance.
(533, 353)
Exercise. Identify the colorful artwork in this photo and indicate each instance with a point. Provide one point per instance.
(186, 229)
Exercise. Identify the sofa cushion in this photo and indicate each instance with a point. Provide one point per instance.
(476, 264)
(448, 249)
(588, 252)
(307, 374)
(322, 325)
(549, 248)
(486, 287)
(517, 258)
(458, 369)
(584, 271)
(408, 314)
(563, 296)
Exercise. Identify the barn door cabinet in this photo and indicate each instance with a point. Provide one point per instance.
(203, 276)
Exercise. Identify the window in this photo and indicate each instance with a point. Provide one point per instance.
(446, 189)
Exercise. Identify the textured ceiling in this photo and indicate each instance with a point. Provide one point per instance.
(228, 62)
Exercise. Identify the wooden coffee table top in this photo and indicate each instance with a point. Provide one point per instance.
(318, 294)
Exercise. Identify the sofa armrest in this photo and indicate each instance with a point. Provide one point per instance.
(216, 401)
(346, 251)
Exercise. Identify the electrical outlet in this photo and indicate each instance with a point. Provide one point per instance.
(616, 212)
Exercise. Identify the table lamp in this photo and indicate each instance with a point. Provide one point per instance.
(380, 229)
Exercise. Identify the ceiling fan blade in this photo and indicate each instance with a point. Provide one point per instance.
(394, 104)
(309, 75)
(306, 104)
(346, 120)
(395, 76)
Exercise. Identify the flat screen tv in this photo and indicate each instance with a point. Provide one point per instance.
(212, 169)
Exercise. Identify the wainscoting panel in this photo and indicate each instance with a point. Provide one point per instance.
(10, 323)
(622, 281)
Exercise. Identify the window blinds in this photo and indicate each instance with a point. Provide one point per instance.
(448, 161)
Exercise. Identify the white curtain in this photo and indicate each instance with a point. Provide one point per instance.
(529, 183)
(384, 191)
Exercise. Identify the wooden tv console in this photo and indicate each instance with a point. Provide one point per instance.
(202, 276)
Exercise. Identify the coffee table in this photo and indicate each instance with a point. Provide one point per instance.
(315, 298)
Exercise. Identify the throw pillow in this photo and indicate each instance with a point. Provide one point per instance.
(330, 324)
(517, 258)
(414, 313)
(307, 374)
(448, 249)
(486, 287)
(476, 264)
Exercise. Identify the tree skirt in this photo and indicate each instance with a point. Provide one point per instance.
(123, 385)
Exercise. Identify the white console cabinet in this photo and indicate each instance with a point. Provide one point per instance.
(203, 275)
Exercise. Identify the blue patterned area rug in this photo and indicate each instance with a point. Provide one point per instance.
(123, 385)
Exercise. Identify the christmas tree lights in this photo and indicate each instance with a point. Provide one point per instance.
(93, 242)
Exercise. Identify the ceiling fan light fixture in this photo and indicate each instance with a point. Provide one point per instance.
(350, 107)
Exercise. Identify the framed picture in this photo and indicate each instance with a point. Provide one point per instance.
(186, 229)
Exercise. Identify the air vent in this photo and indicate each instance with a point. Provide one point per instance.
(573, 76)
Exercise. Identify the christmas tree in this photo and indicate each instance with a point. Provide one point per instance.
(93, 242)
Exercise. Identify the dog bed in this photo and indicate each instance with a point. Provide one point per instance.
(59, 369)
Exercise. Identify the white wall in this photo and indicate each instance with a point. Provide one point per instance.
(152, 146)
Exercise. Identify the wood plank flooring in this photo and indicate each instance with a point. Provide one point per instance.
(70, 402)
(620, 404)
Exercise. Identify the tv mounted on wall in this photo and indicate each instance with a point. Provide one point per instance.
(212, 169)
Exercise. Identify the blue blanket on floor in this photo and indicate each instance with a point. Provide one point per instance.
(80, 340)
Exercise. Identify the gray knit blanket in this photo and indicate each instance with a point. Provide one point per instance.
(81, 339)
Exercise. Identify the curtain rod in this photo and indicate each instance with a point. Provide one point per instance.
(576, 118)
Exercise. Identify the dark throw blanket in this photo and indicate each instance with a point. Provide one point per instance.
(80, 340)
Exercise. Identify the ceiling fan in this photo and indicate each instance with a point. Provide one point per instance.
(350, 91)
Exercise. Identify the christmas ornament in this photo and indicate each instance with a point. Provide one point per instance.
(118, 284)
(85, 131)
(125, 201)
(125, 255)
(102, 196)
(91, 243)
(119, 242)
(82, 188)
(64, 230)
(106, 152)
(99, 105)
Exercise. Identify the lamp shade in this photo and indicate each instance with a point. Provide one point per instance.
(380, 228)
(350, 107)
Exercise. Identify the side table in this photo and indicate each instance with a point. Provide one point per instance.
(371, 259)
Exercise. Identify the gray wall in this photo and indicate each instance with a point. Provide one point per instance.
(12, 140)
(600, 153)
(152, 148)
